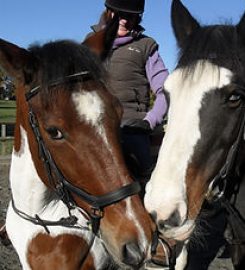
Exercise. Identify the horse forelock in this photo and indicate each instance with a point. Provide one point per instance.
(57, 60)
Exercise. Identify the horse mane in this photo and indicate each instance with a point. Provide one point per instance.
(56, 60)
(219, 44)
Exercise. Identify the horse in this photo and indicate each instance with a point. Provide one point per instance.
(201, 159)
(74, 205)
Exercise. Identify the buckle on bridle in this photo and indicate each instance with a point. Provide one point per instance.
(97, 212)
(96, 215)
(168, 261)
(216, 189)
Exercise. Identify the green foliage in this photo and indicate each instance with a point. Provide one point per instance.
(7, 111)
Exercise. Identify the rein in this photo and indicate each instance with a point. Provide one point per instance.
(62, 187)
(68, 222)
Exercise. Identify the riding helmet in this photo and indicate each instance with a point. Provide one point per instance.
(130, 6)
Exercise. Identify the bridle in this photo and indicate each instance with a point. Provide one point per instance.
(62, 186)
(217, 187)
(221, 184)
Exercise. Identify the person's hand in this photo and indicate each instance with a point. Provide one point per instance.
(137, 125)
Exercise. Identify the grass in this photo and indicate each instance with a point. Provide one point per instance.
(7, 111)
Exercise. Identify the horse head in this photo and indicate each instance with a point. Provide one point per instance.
(67, 155)
(204, 139)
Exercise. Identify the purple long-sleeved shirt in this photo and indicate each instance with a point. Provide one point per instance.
(156, 73)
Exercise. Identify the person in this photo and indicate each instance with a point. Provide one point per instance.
(136, 72)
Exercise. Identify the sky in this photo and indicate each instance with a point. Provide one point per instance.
(24, 22)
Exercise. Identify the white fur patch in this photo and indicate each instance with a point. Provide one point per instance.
(90, 108)
(181, 260)
(166, 190)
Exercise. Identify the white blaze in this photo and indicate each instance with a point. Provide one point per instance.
(90, 108)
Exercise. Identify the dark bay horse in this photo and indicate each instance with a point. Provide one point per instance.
(202, 156)
(73, 201)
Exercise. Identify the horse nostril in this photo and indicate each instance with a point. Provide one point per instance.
(161, 224)
(173, 221)
(132, 255)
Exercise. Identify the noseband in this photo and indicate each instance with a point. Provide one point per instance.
(63, 187)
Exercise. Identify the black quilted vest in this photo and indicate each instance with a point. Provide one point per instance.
(129, 83)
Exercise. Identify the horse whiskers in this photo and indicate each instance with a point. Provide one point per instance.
(111, 265)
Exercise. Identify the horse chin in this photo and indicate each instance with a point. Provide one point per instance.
(180, 233)
(118, 264)
(115, 260)
(115, 264)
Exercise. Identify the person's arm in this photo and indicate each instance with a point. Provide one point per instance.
(156, 73)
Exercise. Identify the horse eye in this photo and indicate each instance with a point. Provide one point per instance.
(234, 100)
(234, 97)
(55, 133)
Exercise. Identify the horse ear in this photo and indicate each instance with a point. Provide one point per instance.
(13, 59)
(182, 22)
(101, 42)
(241, 28)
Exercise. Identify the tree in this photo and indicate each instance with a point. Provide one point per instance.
(2, 74)
(7, 86)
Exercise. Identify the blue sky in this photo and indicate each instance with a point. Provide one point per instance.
(24, 22)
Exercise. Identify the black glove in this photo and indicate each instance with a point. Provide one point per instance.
(137, 126)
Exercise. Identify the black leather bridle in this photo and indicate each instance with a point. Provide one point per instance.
(217, 187)
(63, 187)
(221, 188)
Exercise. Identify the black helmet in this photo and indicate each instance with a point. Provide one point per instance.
(130, 6)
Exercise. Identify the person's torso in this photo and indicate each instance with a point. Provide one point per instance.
(126, 67)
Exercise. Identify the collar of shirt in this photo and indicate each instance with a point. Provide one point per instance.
(121, 41)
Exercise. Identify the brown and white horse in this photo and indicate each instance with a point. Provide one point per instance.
(202, 153)
(73, 201)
